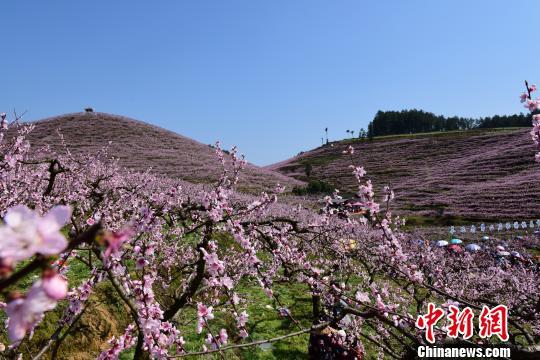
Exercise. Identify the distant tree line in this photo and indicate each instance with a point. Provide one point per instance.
(418, 121)
(314, 187)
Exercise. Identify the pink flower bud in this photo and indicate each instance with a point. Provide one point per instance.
(55, 285)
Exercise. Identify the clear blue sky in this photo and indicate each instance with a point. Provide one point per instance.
(268, 76)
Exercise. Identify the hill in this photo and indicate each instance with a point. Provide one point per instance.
(139, 146)
(445, 176)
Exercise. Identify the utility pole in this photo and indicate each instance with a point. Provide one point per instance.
(326, 131)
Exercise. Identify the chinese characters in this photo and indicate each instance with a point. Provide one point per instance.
(490, 322)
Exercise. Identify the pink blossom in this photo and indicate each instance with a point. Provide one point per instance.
(223, 336)
(389, 194)
(358, 171)
(214, 265)
(204, 312)
(24, 313)
(17, 324)
(218, 341)
(119, 344)
(227, 282)
(372, 206)
(210, 340)
(55, 285)
(361, 296)
(417, 277)
(25, 233)
(523, 97)
(380, 304)
(535, 131)
(242, 319)
(11, 160)
(349, 150)
(366, 189)
(532, 105)
(115, 239)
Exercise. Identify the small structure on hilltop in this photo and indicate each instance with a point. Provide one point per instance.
(88, 109)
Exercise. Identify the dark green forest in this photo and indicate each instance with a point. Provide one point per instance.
(418, 121)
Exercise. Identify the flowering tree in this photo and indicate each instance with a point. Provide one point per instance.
(533, 106)
(169, 248)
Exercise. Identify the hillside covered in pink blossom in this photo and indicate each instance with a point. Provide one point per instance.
(140, 146)
(478, 174)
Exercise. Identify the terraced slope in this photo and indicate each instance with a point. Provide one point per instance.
(141, 146)
(477, 174)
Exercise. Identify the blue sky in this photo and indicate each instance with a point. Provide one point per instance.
(268, 76)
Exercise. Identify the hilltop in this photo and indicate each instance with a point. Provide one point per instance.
(140, 146)
(481, 174)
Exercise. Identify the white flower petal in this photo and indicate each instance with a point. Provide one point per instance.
(17, 215)
(59, 215)
(52, 244)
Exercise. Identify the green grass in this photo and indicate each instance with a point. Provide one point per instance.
(264, 323)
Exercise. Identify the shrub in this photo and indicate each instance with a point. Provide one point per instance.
(314, 187)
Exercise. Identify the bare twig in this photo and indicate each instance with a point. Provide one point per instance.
(255, 343)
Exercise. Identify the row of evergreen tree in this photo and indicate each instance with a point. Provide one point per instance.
(418, 121)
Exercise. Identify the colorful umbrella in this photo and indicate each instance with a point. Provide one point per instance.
(456, 241)
(473, 247)
(455, 248)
